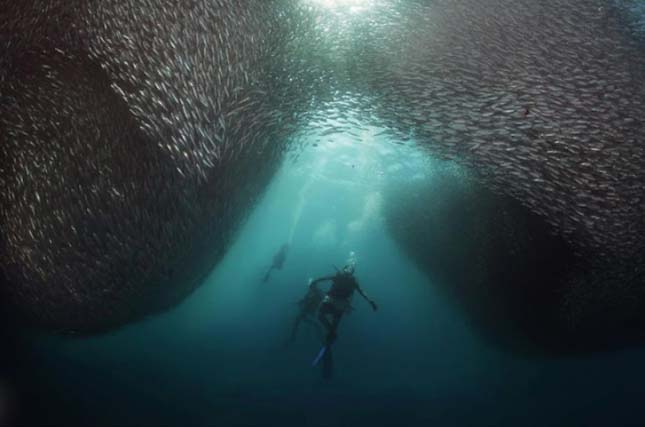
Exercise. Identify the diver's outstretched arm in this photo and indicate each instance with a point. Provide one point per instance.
(372, 303)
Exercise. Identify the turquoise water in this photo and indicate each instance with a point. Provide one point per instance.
(219, 358)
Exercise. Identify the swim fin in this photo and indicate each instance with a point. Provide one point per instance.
(318, 358)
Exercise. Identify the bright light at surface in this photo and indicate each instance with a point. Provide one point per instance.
(352, 5)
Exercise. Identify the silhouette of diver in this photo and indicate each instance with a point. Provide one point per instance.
(278, 261)
(338, 300)
(308, 307)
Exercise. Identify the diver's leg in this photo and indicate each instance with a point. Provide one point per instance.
(316, 325)
(322, 316)
(336, 320)
(311, 321)
(296, 323)
(331, 335)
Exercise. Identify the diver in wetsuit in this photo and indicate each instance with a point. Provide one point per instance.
(278, 261)
(338, 299)
(308, 306)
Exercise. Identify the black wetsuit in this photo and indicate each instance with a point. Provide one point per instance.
(337, 301)
(308, 306)
(342, 288)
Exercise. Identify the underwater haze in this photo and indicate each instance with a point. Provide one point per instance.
(221, 358)
(174, 174)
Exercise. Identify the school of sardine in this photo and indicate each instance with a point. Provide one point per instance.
(135, 135)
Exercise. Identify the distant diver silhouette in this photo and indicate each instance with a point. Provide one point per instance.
(278, 261)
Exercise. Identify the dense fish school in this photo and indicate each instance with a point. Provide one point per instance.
(134, 135)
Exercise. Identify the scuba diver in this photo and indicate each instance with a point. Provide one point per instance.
(338, 299)
(278, 261)
(308, 306)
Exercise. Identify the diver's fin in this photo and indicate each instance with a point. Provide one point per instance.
(318, 358)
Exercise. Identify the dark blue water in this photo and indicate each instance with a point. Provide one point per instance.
(219, 359)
